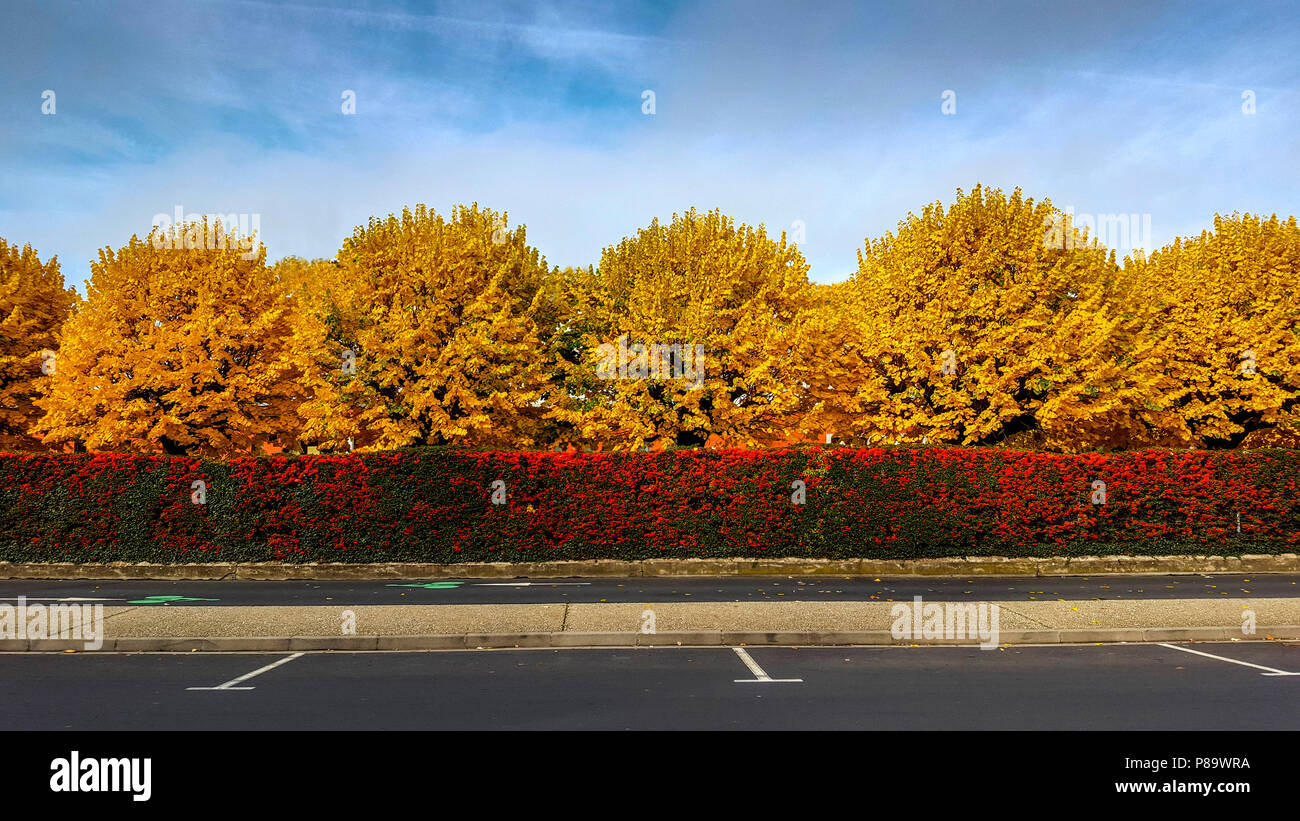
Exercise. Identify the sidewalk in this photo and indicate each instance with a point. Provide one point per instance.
(792, 623)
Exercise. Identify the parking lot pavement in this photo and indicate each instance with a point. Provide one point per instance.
(1221, 686)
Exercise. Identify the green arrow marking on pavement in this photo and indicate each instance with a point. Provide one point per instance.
(430, 585)
(166, 599)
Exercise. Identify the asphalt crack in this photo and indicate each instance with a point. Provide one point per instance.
(1023, 616)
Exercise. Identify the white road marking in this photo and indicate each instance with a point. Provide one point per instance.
(230, 685)
(759, 674)
(1271, 671)
(531, 584)
(51, 598)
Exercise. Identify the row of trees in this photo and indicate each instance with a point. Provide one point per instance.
(964, 326)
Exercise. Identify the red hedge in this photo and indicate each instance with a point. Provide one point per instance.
(434, 505)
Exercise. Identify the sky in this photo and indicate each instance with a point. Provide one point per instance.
(825, 120)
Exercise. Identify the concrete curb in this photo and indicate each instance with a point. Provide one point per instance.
(700, 638)
(974, 566)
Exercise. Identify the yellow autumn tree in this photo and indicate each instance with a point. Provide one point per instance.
(833, 355)
(315, 284)
(435, 331)
(1222, 314)
(185, 344)
(989, 322)
(687, 330)
(33, 305)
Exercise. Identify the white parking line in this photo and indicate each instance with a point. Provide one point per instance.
(759, 674)
(1271, 671)
(230, 685)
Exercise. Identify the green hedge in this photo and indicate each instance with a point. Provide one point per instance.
(435, 505)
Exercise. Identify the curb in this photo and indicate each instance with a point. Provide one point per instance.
(700, 638)
(976, 566)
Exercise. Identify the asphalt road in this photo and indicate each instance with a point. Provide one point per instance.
(685, 589)
(1088, 687)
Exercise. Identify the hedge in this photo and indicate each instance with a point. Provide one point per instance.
(434, 505)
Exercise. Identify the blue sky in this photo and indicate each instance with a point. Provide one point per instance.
(824, 113)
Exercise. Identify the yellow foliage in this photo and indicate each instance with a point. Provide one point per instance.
(182, 345)
(33, 304)
(699, 285)
(312, 282)
(434, 331)
(974, 324)
(990, 321)
(1222, 315)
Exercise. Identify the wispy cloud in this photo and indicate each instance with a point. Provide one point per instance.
(829, 115)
